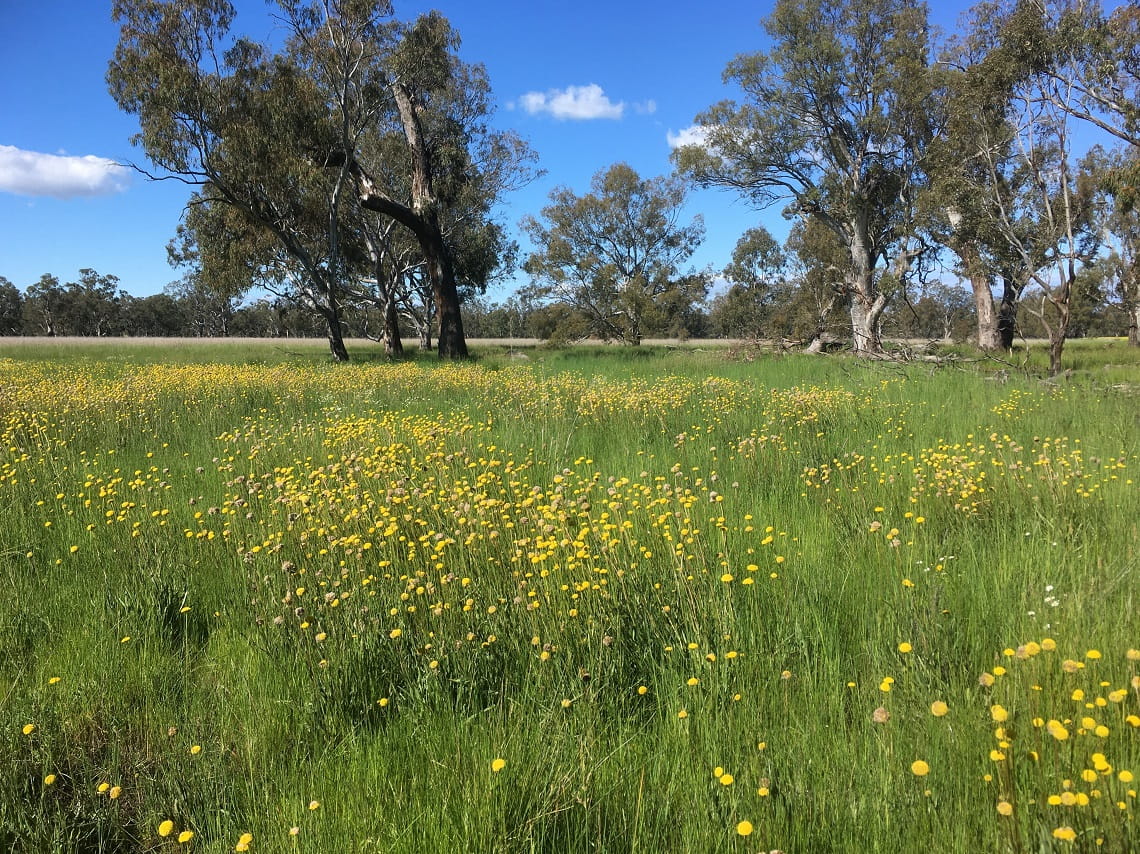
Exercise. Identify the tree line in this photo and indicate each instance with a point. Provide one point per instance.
(353, 172)
(786, 311)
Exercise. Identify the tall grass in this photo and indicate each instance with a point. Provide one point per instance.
(681, 596)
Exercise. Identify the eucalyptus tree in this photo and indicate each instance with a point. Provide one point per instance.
(1121, 230)
(1096, 61)
(11, 308)
(615, 253)
(757, 279)
(44, 307)
(977, 171)
(454, 168)
(1040, 203)
(835, 120)
(237, 122)
(282, 143)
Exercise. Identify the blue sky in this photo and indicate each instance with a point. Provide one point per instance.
(588, 83)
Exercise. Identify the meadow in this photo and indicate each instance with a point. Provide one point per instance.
(585, 600)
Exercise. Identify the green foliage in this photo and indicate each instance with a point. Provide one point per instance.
(835, 120)
(614, 255)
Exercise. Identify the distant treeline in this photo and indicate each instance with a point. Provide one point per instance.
(94, 306)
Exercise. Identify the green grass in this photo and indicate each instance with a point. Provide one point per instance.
(532, 559)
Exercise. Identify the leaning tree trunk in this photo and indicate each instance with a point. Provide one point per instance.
(336, 338)
(330, 311)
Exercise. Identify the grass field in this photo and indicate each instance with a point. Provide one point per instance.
(590, 600)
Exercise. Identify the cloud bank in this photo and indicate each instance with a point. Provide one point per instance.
(692, 135)
(573, 102)
(32, 173)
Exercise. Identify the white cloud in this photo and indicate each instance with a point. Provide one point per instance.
(573, 102)
(32, 173)
(692, 135)
(646, 108)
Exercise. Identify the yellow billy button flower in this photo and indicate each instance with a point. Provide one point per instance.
(498, 765)
(905, 647)
(49, 779)
(29, 729)
(166, 828)
(115, 792)
(313, 805)
(939, 709)
(1004, 808)
(744, 828)
(919, 768)
(999, 714)
(1066, 833)
(185, 836)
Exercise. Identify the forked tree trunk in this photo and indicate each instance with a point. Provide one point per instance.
(422, 219)
(865, 316)
(335, 336)
(1059, 329)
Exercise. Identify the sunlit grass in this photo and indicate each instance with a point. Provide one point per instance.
(581, 601)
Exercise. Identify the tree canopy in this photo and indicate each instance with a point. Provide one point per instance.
(615, 254)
